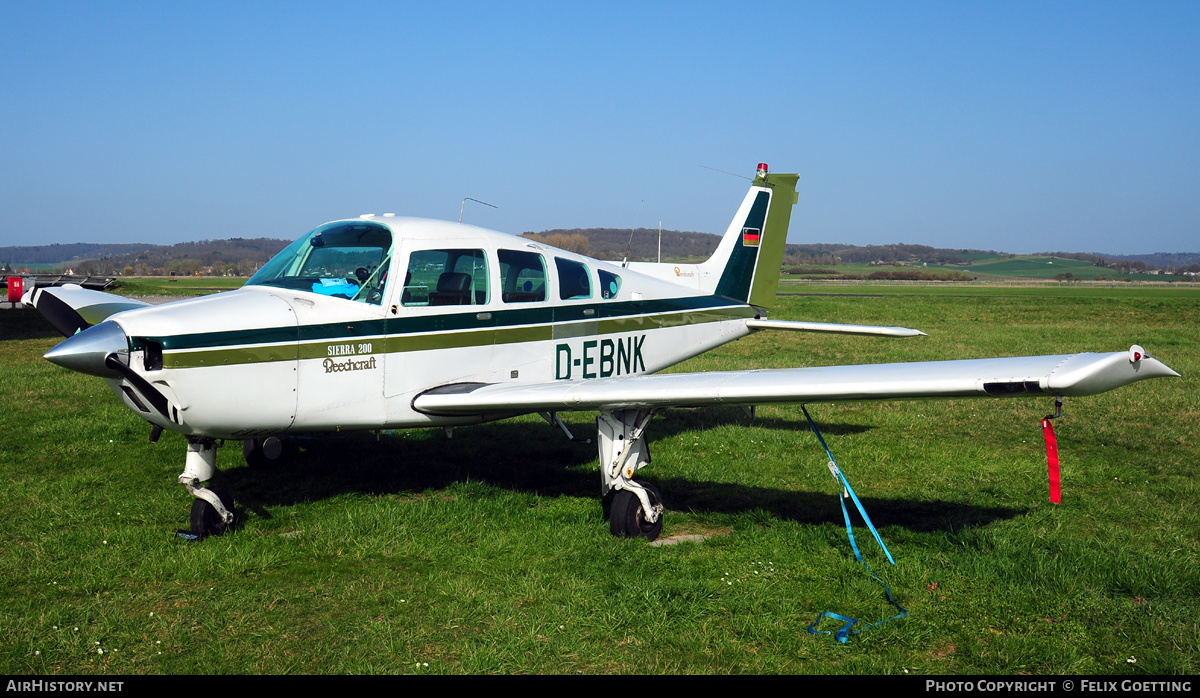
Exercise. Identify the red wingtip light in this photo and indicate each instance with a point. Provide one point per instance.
(762, 169)
(1136, 353)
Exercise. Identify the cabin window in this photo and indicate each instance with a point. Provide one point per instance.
(574, 281)
(610, 284)
(342, 260)
(523, 276)
(446, 277)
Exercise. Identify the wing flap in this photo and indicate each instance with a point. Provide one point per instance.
(1067, 374)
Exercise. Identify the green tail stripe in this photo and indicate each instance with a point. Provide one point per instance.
(739, 270)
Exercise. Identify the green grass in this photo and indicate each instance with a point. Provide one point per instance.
(1046, 267)
(175, 286)
(995, 268)
(487, 552)
(1039, 267)
(1032, 289)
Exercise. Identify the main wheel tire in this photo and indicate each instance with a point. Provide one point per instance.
(626, 518)
(262, 452)
(205, 519)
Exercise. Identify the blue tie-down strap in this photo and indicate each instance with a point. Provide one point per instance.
(844, 633)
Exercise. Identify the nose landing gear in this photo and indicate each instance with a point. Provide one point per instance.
(212, 510)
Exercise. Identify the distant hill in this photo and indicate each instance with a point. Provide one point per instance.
(59, 254)
(825, 253)
(612, 243)
(243, 256)
(1157, 259)
(240, 256)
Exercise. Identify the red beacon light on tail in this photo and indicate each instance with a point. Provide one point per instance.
(762, 169)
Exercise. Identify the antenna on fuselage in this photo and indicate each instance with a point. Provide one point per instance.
(625, 262)
(731, 174)
(464, 205)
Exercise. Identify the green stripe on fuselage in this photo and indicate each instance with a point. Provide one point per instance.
(443, 337)
(225, 357)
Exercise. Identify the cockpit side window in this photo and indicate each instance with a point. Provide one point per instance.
(446, 277)
(610, 284)
(574, 281)
(346, 260)
(522, 275)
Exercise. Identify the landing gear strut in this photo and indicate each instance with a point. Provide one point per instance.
(636, 510)
(212, 512)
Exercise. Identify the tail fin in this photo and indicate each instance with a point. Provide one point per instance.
(745, 266)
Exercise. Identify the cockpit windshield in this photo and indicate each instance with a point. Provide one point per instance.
(343, 260)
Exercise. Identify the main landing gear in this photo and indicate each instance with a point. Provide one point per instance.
(628, 519)
(265, 451)
(636, 509)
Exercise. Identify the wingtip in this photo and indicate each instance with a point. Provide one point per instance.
(1169, 372)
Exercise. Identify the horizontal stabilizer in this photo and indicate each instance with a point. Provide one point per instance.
(71, 308)
(833, 328)
(1068, 374)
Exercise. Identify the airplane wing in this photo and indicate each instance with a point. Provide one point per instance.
(1067, 375)
(71, 308)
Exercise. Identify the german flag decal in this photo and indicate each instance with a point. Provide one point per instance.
(750, 237)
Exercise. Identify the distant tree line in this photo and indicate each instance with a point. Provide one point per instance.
(1165, 262)
(60, 253)
(232, 257)
(244, 256)
(825, 253)
(638, 245)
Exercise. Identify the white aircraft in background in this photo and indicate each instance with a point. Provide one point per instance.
(385, 322)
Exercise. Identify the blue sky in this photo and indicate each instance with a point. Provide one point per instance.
(1012, 126)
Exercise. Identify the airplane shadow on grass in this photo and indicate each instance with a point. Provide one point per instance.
(25, 323)
(533, 457)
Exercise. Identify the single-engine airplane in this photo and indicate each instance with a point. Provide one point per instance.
(386, 322)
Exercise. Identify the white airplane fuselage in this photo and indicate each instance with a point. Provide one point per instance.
(263, 360)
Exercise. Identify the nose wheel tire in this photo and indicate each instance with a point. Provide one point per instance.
(626, 519)
(205, 519)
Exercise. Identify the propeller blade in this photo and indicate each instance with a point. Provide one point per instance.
(63, 317)
(71, 308)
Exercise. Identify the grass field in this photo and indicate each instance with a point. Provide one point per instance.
(176, 286)
(1001, 268)
(1044, 267)
(488, 552)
